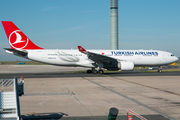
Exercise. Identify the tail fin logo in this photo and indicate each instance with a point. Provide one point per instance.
(18, 40)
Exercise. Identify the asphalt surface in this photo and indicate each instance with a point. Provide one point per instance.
(60, 117)
(150, 94)
(64, 74)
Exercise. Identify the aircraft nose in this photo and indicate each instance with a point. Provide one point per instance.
(176, 58)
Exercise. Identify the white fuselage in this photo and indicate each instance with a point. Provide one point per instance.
(76, 58)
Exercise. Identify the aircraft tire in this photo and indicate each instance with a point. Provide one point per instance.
(101, 71)
(89, 71)
(94, 71)
(160, 71)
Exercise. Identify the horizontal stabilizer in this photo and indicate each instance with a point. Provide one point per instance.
(19, 52)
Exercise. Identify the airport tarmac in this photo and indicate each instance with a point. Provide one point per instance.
(72, 96)
(37, 69)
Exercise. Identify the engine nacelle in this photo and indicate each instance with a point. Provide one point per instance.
(126, 65)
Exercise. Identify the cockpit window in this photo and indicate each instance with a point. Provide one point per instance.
(172, 55)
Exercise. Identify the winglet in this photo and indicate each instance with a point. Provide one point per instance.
(81, 49)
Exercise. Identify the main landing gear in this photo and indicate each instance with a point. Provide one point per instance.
(160, 69)
(95, 71)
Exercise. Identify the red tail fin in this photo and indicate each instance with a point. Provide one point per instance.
(17, 39)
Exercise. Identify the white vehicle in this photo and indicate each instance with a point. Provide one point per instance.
(22, 46)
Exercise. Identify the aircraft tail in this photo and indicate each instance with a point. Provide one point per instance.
(17, 39)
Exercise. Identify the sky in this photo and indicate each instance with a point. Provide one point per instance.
(65, 24)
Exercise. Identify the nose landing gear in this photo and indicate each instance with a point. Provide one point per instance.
(160, 69)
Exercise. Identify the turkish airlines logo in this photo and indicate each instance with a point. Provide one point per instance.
(18, 40)
(80, 49)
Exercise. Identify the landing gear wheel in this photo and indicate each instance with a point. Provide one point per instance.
(94, 71)
(89, 71)
(101, 71)
(159, 70)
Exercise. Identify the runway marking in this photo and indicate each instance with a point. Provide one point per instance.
(137, 102)
(137, 115)
(74, 96)
(170, 92)
(39, 94)
(96, 104)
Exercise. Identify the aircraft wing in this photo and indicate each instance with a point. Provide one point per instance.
(95, 56)
(19, 52)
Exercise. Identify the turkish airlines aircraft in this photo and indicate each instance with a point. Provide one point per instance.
(22, 46)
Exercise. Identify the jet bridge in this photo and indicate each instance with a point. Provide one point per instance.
(9, 98)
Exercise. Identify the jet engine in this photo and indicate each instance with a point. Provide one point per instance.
(125, 65)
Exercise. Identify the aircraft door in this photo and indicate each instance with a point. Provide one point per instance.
(44, 54)
(164, 57)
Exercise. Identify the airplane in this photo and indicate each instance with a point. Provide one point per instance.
(97, 60)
